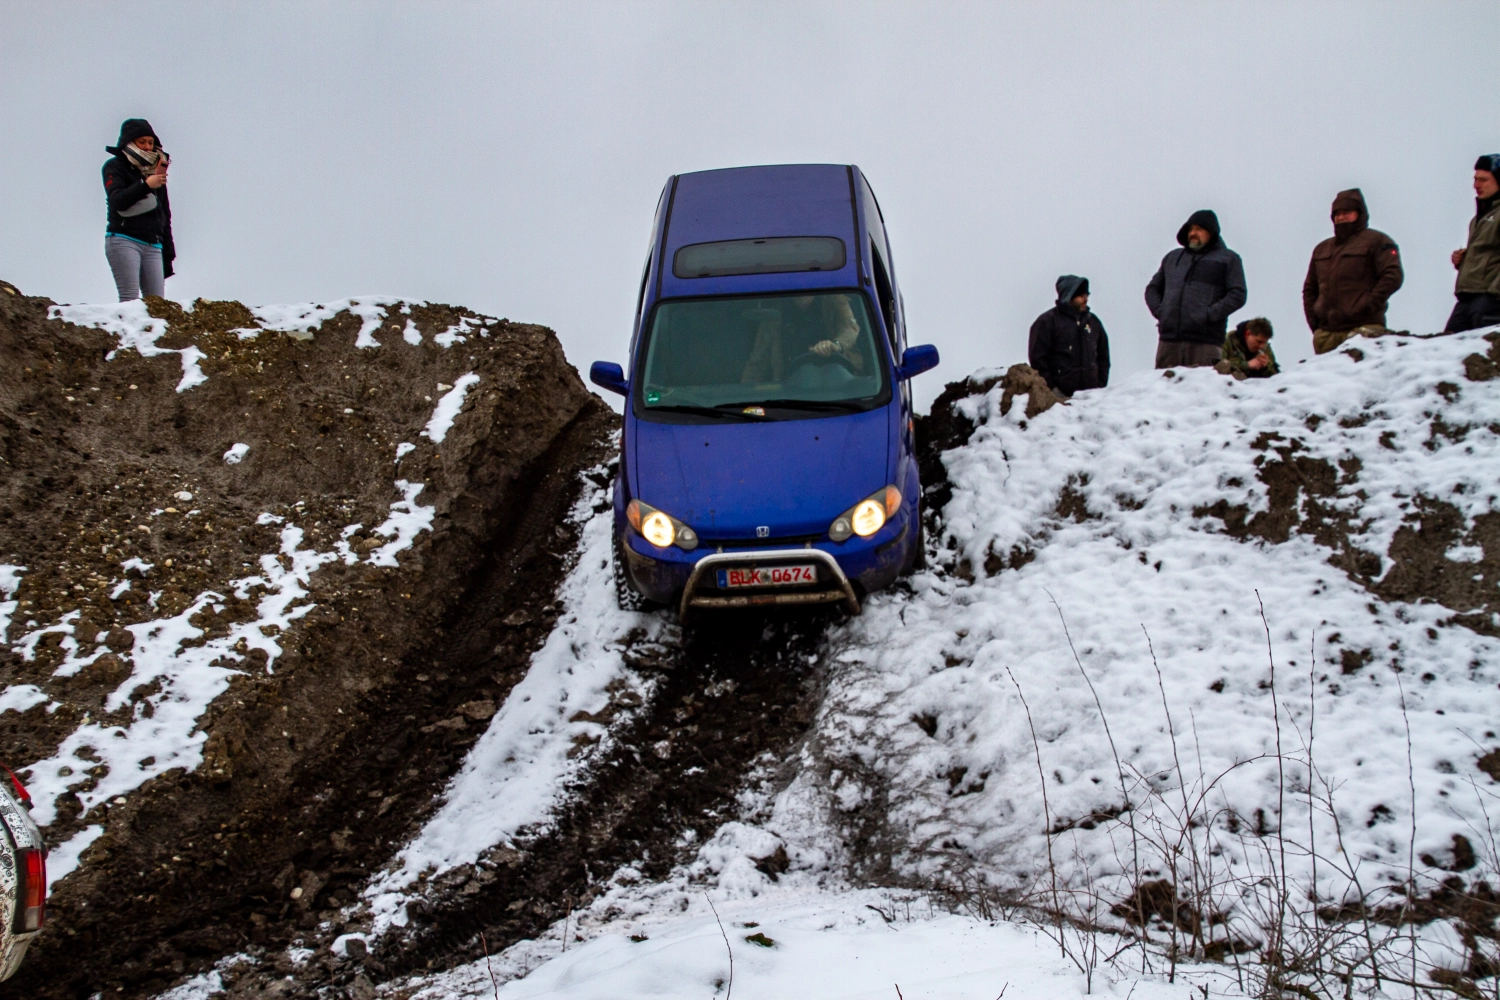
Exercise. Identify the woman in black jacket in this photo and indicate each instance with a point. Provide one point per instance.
(138, 235)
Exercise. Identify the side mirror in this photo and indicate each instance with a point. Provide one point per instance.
(608, 375)
(916, 360)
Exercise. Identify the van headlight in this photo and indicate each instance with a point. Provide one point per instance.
(660, 528)
(868, 516)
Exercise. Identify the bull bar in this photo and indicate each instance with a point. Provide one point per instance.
(843, 591)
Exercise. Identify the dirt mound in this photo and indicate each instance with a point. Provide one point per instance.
(339, 517)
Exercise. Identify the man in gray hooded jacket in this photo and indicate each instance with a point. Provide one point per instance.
(1193, 294)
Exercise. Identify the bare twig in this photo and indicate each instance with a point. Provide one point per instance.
(493, 981)
(1280, 929)
(1036, 746)
(1411, 844)
(1187, 811)
(730, 991)
(1135, 850)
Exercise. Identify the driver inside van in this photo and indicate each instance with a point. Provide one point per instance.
(805, 326)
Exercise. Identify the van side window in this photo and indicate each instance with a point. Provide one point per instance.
(883, 291)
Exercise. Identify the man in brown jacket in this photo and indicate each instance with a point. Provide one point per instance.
(1478, 286)
(1350, 276)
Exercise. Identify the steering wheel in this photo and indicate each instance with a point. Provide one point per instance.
(811, 358)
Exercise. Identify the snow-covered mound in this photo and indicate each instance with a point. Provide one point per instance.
(1145, 527)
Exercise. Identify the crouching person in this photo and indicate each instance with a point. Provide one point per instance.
(1247, 351)
(1351, 277)
(1068, 345)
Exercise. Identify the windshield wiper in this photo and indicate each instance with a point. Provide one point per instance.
(804, 404)
(704, 411)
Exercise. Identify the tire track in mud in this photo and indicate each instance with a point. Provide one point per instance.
(736, 688)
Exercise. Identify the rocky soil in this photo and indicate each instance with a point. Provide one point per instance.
(317, 760)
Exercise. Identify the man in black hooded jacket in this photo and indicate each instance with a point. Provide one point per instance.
(1193, 293)
(1069, 347)
(138, 233)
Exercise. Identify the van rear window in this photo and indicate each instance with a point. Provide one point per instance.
(771, 255)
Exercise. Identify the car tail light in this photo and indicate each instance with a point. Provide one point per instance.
(31, 893)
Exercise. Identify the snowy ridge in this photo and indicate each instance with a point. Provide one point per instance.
(137, 330)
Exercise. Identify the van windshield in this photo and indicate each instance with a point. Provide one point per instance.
(789, 356)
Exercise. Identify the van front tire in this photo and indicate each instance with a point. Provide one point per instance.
(626, 596)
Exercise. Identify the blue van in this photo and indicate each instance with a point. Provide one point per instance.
(767, 455)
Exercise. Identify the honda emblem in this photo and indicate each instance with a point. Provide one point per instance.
(763, 531)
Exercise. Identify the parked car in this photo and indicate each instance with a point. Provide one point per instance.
(23, 876)
(767, 455)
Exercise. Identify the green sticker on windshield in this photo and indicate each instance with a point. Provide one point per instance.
(653, 397)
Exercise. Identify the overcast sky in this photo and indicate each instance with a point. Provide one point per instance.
(508, 157)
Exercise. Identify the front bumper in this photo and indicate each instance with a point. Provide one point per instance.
(833, 586)
(847, 571)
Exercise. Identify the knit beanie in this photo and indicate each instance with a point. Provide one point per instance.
(132, 129)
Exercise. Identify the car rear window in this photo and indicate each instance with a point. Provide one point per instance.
(771, 255)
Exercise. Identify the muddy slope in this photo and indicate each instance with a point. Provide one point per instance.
(316, 764)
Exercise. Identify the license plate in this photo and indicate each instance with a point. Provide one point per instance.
(768, 576)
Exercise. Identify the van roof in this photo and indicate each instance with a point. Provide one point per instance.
(806, 199)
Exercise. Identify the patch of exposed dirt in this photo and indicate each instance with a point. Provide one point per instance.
(1301, 498)
(316, 768)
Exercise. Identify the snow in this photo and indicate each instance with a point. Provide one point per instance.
(407, 519)
(136, 330)
(411, 334)
(458, 332)
(403, 449)
(200, 987)
(63, 859)
(1164, 610)
(448, 407)
(1142, 584)
(10, 581)
(298, 320)
(839, 946)
(236, 453)
(21, 697)
(517, 772)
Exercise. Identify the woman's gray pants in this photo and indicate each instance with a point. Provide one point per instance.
(137, 267)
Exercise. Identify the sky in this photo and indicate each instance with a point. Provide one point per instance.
(508, 157)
